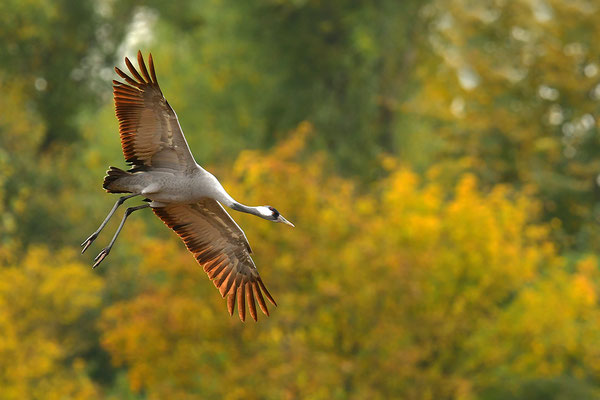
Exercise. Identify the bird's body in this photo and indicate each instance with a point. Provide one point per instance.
(180, 192)
(164, 186)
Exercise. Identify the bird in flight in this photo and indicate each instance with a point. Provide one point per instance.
(180, 192)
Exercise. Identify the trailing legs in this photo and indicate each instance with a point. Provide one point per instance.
(94, 235)
(102, 255)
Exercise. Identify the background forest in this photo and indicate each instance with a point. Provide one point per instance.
(440, 159)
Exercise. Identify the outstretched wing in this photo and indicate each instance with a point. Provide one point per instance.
(149, 129)
(220, 246)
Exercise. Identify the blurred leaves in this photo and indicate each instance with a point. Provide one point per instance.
(48, 304)
(514, 87)
(399, 283)
(438, 158)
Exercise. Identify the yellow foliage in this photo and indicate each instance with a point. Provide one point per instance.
(45, 323)
(403, 291)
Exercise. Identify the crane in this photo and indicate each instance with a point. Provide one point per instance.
(186, 197)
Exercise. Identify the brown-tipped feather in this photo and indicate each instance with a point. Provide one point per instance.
(134, 71)
(223, 276)
(120, 87)
(152, 73)
(127, 91)
(262, 286)
(226, 287)
(126, 77)
(121, 91)
(250, 299)
(126, 97)
(215, 273)
(241, 303)
(142, 65)
(231, 302)
(260, 298)
(206, 255)
(209, 266)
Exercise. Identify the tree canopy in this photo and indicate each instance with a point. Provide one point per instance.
(438, 158)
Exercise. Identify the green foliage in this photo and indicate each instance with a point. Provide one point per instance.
(252, 71)
(542, 389)
(46, 43)
(51, 52)
(513, 88)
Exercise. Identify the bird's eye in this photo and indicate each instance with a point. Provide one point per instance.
(275, 212)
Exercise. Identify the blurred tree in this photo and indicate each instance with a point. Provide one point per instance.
(56, 58)
(542, 389)
(434, 286)
(246, 73)
(47, 313)
(41, 192)
(342, 66)
(47, 48)
(52, 46)
(446, 297)
(513, 89)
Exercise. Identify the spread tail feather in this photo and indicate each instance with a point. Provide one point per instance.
(111, 180)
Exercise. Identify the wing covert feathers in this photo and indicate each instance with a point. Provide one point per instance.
(221, 248)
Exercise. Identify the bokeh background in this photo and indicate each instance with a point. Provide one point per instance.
(440, 159)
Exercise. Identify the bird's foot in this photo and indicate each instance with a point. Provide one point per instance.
(101, 256)
(88, 242)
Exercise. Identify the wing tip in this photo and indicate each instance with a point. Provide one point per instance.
(152, 71)
(250, 300)
(241, 303)
(260, 298)
(134, 72)
(231, 303)
(143, 69)
(146, 77)
(249, 293)
(126, 77)
(264, 289)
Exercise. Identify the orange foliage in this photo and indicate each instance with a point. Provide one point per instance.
(403, 291)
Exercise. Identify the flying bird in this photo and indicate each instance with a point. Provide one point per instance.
(185, 196)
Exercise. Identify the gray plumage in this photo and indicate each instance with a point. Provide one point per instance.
(180, 192)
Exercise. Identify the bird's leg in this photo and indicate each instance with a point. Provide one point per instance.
(102, 255)
(94, 235)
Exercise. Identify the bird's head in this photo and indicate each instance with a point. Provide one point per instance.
(270, 213)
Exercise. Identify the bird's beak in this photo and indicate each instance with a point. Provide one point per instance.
(285, 221)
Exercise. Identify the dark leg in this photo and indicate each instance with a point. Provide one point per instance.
(106, 250)
(94, 235)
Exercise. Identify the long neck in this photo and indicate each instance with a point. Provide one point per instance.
(243, 208)
(222, 196)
